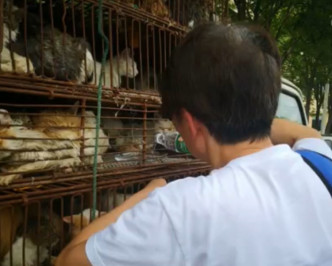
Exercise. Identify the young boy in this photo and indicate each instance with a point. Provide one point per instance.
(261, 205)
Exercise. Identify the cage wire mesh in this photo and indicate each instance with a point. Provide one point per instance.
(50, 68)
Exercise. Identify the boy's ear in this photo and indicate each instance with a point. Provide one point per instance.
(189, 121)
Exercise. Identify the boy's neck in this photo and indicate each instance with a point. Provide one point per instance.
(220, 155)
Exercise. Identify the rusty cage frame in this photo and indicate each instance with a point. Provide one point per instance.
(150, 34)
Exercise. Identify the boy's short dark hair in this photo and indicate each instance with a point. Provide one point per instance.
(227, 77)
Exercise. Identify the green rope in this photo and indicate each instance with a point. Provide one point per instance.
(95, 159)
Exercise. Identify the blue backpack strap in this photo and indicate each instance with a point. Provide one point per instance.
(321, 165)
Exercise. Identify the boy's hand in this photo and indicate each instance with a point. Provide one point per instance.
(159, 182)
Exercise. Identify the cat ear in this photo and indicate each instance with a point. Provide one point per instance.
(75, 107)
(67, 219)
(5, 118)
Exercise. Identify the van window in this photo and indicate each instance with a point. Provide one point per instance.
(329, 142)
(289, 108)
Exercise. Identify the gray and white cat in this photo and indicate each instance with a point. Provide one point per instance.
(55, 54)
(122, 65)
(63, 60)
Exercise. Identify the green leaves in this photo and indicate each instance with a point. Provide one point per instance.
(303, 30)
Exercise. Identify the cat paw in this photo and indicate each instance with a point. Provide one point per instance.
(108, 92)
(68, 170)
(22, 67)
(5, 180)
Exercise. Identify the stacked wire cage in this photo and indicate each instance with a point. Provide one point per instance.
(79, 112)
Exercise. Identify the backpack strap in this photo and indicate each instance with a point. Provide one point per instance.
(321, 165)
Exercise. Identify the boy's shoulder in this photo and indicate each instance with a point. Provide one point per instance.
(314, 144)
(191, 191)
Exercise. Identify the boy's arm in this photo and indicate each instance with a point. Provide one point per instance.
(74, 253)
(287, 132)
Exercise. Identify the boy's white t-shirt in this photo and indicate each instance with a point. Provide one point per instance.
(267, 208)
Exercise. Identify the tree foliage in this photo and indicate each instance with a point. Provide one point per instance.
(303, 30)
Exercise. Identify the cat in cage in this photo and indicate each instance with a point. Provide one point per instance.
(55, 54)
(128, 137)
(53, 143)
(41, 236)
(156, 7)
(120, 65)
(79, 221)
(29, 150)
(11, 61)
(62, 124)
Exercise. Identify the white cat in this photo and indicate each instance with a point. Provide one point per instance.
(122, 65)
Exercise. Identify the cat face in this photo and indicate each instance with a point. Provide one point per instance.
(164, 125)
(80, 221)
(44, 228)
(127, 65)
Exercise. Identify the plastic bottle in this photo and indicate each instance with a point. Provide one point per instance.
(172, 141)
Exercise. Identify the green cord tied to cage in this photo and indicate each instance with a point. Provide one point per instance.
(99, 93)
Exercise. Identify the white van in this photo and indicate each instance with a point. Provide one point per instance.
(291, 105)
